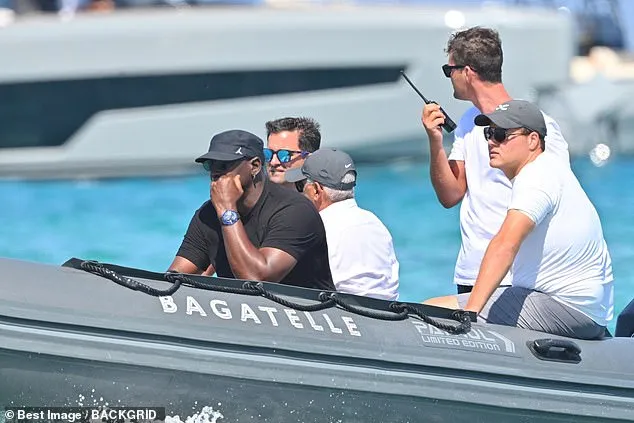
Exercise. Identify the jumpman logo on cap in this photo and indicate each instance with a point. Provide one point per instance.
(239, 151)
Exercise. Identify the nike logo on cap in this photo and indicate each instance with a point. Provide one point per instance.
(239, 151)
(348, 165)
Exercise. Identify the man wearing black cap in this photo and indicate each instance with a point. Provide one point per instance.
(562, 279)
(251, 228)
(360, 250)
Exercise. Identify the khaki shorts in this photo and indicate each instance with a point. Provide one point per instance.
(528, 309)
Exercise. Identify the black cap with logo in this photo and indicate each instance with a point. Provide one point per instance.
(233, 145)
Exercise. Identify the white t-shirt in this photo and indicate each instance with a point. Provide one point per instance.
(360, 251)
(484, 205)
(565, 256)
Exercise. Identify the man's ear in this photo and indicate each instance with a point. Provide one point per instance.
(470, 74)
(533, 141)
(318, 188)
(256, 166)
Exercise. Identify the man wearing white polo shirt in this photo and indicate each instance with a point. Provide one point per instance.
(360, 250)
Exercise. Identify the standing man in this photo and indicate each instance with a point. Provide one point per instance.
(251, 228)
(360, 250)
(475, 69)
(289, 140)
(562, 280)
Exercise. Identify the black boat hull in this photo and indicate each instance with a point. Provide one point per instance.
(90, 342)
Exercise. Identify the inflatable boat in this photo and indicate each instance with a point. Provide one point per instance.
(88, 333)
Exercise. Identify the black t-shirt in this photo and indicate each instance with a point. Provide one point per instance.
(282, 219)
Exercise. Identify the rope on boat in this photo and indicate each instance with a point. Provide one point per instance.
(98, 269)
(327, 299)
(180, 278)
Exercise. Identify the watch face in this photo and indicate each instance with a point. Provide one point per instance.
(229, 217)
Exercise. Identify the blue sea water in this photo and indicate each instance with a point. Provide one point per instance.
(140, 222)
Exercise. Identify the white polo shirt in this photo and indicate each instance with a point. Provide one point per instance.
(565, 256)
(360, 251)
(485, 203)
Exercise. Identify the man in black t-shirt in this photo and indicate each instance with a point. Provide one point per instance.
(252, 228)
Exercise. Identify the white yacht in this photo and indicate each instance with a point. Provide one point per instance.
(141, 92)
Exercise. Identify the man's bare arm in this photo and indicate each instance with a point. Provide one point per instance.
(447, 176)
(182, 265)
(448, 179)
(249, 262)
(499, 257)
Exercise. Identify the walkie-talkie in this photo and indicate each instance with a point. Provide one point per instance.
(449, 124)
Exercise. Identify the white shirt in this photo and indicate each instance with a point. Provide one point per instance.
(484, 205)
(360, 251)
(565, 256)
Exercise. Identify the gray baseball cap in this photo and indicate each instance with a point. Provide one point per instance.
(327, 166)
(515, 114)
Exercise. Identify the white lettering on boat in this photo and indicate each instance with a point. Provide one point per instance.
(192, 305)
(168, 305)
(270, 311)
(332, 327)
(248, 313)
(312, 322)
(293, 318)
(223, 313)
(476, 338)
(341, 325)
(352, 327)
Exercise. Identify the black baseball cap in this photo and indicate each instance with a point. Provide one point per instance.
(233, 145)
(327, 166)
(515, 114)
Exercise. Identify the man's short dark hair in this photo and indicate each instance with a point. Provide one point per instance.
(309, 135)
(480, 49)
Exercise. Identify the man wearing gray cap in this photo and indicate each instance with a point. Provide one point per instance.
(360, 251)
(562, 279)
(252, 228)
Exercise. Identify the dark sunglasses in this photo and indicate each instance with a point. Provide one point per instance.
(446, 69)
(207, 164)
(284, 156)
(299, 185)
(499, 135)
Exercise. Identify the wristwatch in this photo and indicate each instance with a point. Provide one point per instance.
(229, 217)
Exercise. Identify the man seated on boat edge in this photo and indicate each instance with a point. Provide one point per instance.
(251, 228)
(360, 249)
(562, 280)
(289, 141)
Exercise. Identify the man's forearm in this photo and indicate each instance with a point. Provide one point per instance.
(442, 177)
(246, 261)
(495, 265)
(183, 265)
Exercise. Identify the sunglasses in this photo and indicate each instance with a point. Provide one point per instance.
(284, 156)
(446, 69)
(299, 185)
(500, 135)
(208, 164)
